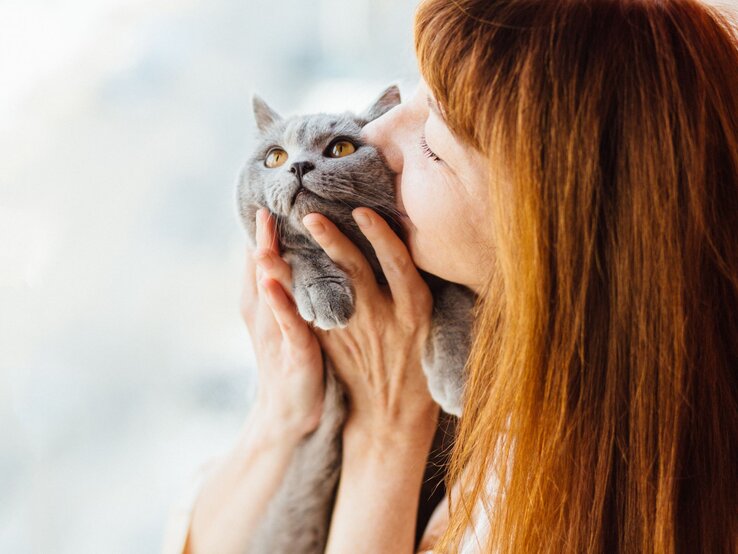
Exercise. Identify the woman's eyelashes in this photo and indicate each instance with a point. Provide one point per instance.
(427, 151)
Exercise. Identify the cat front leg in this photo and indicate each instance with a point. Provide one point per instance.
(298, 516)
(323, 292)
(448, 345)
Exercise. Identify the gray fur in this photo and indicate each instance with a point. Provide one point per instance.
(264, 115)
(298, 516)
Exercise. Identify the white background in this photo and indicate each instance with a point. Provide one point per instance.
(123, 126)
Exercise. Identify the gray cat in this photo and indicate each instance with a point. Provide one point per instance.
(320, 163)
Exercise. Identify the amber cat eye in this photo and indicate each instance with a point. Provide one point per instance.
(341, 148)
(275, 158)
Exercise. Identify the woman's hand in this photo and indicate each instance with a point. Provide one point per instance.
(232, 502)
(391, 415)
(377, 356)
(289, 358)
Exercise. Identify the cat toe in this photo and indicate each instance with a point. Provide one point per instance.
(305, 307)
(327, 304)
(334, 314)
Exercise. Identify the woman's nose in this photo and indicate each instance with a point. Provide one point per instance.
(383, 133)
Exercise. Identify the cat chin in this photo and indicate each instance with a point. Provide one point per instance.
(306, 203)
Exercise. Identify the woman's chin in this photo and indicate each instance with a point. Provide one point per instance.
(430, 265)
(446, 271)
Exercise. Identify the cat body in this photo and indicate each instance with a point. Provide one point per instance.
(320, 163)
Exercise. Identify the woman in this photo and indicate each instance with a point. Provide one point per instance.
(576, 163)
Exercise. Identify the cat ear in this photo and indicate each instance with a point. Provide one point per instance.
(387, 100)
(264, 115)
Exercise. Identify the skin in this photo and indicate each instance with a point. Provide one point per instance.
(391, 416)
(445, 201)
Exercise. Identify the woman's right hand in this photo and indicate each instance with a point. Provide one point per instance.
(289, 358)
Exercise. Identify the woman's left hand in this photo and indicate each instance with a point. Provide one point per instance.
(377, 355)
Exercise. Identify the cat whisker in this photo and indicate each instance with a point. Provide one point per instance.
(280, 231)
(382, 206)
(359, 196)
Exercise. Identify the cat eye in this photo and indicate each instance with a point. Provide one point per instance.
(340, 148)
(275, 158)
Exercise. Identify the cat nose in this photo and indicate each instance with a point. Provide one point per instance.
(301, 168)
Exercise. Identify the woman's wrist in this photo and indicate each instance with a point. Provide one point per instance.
(381, 476)
(267, 428)
(412, 430)
(272, 420)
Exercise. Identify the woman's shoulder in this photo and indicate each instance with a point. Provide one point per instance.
(473, 541)
(476, 534)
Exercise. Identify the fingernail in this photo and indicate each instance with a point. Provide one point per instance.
(315, 227)
(362, 219)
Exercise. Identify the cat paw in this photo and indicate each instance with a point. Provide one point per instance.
(326, 303)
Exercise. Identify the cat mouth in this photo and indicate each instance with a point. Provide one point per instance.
(300, 193)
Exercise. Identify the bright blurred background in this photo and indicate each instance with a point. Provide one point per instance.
(123, 125)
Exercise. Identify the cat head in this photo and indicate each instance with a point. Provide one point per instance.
(317, 163)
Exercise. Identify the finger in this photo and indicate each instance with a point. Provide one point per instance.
(253, 309)
(261, 238)
(266, 235)
(260, 218)
(249, 272)
(249, 292)
(266, 322)
(274, 267)
(343, 252)
(402, 276)
(294, 329)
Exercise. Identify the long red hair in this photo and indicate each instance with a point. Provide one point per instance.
(603, 389)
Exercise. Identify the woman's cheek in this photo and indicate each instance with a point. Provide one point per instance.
(411, 195)
(406, 202)
(425, 215)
